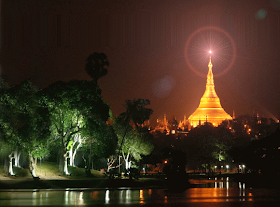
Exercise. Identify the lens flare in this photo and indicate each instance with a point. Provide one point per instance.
(223, 51)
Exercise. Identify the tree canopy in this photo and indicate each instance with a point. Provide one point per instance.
(95, 65)
(133, 139)
(76, 108)
(25, 121)
(208, 145)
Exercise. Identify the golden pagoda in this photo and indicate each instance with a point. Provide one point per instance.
(209, 109)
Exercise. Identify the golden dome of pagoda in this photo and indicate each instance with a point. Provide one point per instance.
(209, 109)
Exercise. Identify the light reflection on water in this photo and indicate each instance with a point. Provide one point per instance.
(221, 191)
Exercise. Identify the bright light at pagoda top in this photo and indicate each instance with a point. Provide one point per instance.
(210, 51)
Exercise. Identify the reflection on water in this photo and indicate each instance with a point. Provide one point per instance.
(221, 191)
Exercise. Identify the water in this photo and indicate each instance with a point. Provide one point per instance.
(208, 193)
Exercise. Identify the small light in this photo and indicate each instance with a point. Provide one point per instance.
(210, 51)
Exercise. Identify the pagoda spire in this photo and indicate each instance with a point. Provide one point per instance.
(209, 106)
(210, 63)
(210, 79)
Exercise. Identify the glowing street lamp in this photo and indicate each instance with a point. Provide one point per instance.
(227, 166)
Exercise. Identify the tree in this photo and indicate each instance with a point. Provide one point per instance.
(208, 146)
(95, 65)
(132, 139)
(25, 122)
(75, 107)
(134, 145)
(136, 112)
(8, 134)
(100, 143)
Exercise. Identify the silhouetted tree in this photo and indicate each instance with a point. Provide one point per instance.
(208, 145)
(95, 65)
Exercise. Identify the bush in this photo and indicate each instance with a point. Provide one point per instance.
(21, 172)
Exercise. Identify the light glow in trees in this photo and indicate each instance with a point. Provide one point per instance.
(74, 106)
(24, 123)
(132, 139)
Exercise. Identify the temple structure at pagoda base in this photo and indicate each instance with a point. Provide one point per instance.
(209, 109)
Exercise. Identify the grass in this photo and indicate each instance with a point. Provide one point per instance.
(21, 172)
(49, 170)
(2, 171)
(80, 172)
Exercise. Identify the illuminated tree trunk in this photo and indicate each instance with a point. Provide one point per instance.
(65, 167)
(127, 162)
(11, 157)
(32, 165)
(16, 157)
(73, 151)
(110, 163)
(71, 159)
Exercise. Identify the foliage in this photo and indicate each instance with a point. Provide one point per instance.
(135, 143)
(132, 138)
(76, 107)
(95, 65)
(208, 145)
(100, 144)
(136, 112)
(24, 121)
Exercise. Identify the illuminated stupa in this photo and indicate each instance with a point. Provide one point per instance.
(209, 109)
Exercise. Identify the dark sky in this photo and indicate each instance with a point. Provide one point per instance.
(157, 49)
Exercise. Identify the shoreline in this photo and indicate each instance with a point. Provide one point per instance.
(62, 182)
(91, 183)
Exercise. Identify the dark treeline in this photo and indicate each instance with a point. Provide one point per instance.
(245, 144)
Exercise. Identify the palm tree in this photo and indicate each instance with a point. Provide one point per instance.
(95, 65)
(135, 113)
(134, 117)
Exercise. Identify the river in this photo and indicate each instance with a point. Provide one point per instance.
(207, 193)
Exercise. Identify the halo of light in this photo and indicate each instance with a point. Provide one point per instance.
(162, 87)
(261, 14)
(194, 34)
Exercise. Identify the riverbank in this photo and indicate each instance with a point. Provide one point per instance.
(30, 183)
(100, 181)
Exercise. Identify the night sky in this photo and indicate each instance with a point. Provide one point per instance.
(157, 49)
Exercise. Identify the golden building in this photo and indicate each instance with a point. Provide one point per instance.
(209, 109)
